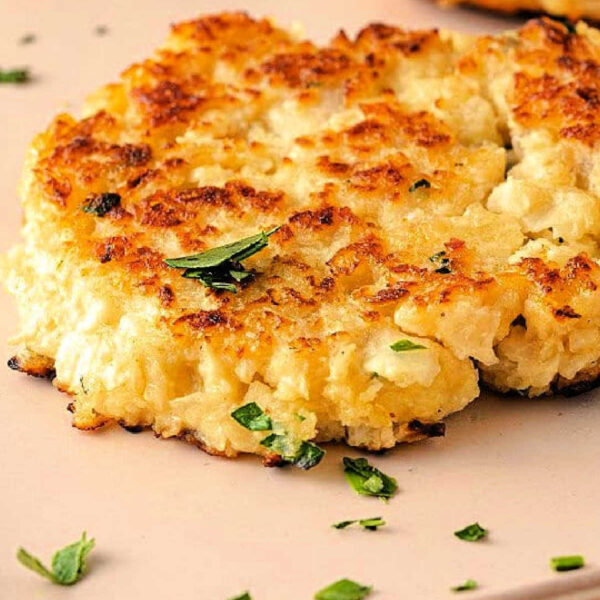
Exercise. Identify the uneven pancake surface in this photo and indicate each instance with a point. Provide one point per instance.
(424, 186)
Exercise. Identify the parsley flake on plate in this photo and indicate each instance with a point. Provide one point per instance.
(344, 589)
(14, 76)
(367, 480)
(244, 596)
(68, 564)
(567, 563)
(370, 524)
(252, 417)
(469, 584)
(471, 533)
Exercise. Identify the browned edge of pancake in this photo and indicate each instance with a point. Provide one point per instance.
(38, 365)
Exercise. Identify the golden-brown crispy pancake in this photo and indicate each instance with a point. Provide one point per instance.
(428, 186)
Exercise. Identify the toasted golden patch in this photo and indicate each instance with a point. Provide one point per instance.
(420, 187)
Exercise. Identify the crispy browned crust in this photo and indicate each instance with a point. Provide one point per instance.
(157, 200)
(574, 10)
(273, 460)
(33, 364)
(86, 422)
(99, 422)
(190, 438)
(427, 429)
(132, 428)
(584, 381)
(504, 6)
(414, 430)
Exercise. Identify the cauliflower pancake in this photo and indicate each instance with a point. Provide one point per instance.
(574, 9)
(426, 209)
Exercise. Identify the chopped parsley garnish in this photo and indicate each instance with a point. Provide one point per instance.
(239, 275)
(421, 183)
(216, 257)
(28, 38)
(471, 533)
(567, 563)
(244, 596)
(344, 589)
(216, 280)
(406, 345)
(343, 524)
(220, 267)
(304, 455)
(371, 524)
(469, 584)
(101, 204)
(310, 456)
(368, 480)
(14, 76)
(252, 417)
(300, 417)
(68, 564)
(440, 259)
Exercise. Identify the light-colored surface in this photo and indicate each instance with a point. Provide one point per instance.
(171, 522)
